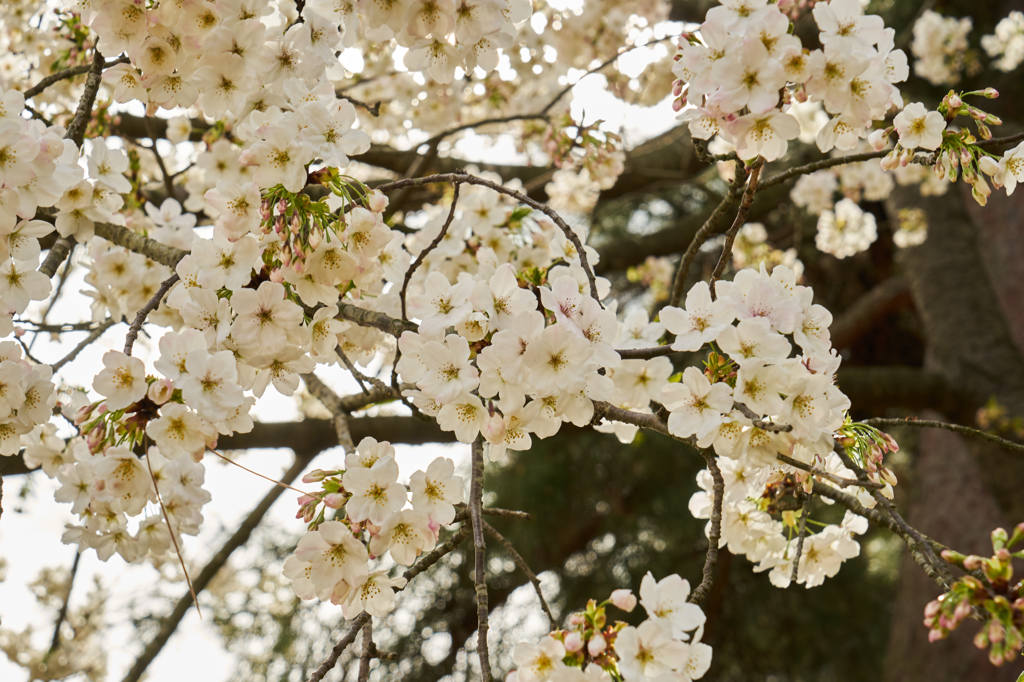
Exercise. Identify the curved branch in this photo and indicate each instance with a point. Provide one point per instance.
(462, 176)
(69, 72)
(955, 428)
(714, 537)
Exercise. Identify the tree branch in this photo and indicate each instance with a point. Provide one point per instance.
(963, 430)
(519, 561)
(151, 305)
(479, 578)
(714, 537)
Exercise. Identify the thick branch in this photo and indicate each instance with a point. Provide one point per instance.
(873, 306)
(308, 435)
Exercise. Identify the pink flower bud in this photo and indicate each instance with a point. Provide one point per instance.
(160, 391)
(83, 414)
(314, 476)
(334, 500)
(576, 620)
(493, 429)
(988, 165)
(878, 139)
(377, 201)
(623, 599)
(573, 642)
(94, 439)
(596, 645)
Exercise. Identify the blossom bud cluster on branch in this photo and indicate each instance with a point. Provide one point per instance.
(333, 560)
(665, 646)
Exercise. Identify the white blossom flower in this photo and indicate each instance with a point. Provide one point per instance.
(919, 128)
(122, 381)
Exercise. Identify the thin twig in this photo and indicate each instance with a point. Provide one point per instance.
(174, 537)
(96, 333)
(372, 109)
(339, 648)
(64, 275)
(479, 578)
(711, 225)
(714, 537)
(820, 164)
(356, 374)
(151, 305)
(519, 561)
(256, 473)
(434, 141)
(426, 251)
(956, 428)
(759, 422)
(599, 67)
(168, 179)
(838, 480)
(915, 540)
(462, 176)
(425, 562)
(170, 623)
(801, 534)
(737, 223)
(63, 613)
(920, 551)
(57, 328)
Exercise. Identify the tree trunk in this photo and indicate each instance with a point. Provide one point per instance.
(958, 490)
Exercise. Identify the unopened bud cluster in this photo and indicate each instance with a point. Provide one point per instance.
(988, 592)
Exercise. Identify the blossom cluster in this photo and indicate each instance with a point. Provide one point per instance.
(760, 519)
(743, 68)
(341, 559)
(512, 348)
(529, 372)
(1007, 43)
(36, 165)
(940, 47)
(666, 646)
(755, 400)
(27, 396)
(215, 51)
